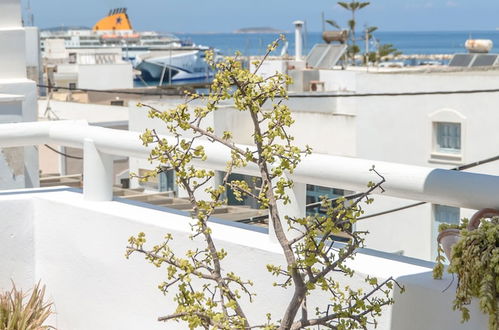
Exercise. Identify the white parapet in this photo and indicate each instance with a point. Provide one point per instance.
(439, 186)
(62, 239)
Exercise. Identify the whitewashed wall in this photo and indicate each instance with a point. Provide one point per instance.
(17, 252)
(19, 166)
(77, 248)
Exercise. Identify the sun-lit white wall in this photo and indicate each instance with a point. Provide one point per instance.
(76, 248)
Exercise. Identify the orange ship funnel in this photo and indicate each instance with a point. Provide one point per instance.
(117, 19)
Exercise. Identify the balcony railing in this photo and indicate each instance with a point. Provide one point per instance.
(439, 186)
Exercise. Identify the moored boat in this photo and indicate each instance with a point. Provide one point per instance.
(158, 57)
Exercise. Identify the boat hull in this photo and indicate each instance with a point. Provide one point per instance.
(174, 67)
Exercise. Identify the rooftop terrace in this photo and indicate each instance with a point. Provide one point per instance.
(74, 242)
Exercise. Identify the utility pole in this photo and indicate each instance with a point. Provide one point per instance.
(323, 22)
(31, 17)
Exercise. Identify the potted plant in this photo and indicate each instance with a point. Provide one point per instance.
(474, 257)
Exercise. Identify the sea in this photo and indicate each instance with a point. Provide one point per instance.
(409, 43)
(424, 43)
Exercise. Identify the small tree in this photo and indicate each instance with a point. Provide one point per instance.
(214, 299)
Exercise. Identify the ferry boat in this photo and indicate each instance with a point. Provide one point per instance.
(160, 58)
(176, 65)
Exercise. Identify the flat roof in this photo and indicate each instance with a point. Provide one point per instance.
(94, 114)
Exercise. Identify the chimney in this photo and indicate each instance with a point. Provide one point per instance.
(298, 40)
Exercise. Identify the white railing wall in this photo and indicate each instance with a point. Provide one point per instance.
(439, 186)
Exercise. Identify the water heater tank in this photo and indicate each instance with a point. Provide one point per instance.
(478, 45)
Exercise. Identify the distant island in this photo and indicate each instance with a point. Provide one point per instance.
(259, 30)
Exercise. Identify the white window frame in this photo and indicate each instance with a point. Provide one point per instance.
(441, 155)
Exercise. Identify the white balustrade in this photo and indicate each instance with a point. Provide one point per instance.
(439, 186)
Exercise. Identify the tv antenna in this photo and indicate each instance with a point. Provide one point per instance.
(30, 19)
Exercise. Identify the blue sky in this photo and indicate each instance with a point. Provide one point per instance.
(228, 15)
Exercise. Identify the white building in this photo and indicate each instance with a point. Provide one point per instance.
(93, 68)
(440, 131)
(18, 166)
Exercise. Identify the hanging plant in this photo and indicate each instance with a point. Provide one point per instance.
(475, 260)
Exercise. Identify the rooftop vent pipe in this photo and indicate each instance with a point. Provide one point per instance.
(298, 40)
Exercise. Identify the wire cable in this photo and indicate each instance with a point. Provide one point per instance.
(62, 153)
(471, 91)
(106, 91)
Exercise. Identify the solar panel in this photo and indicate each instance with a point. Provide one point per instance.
(316, 54)
(333, 55)
(461, 60)
(325, 56)
(484, 60)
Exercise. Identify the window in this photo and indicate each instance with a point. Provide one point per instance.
(442, 214)
(254, 184)
(72, 58)
(117, 102)
(448, 137)
(448, 132)
(315, 195)
(164, 181)
(151, 183)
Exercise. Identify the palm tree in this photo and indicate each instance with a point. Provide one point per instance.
(353, 6)
(333, 23)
